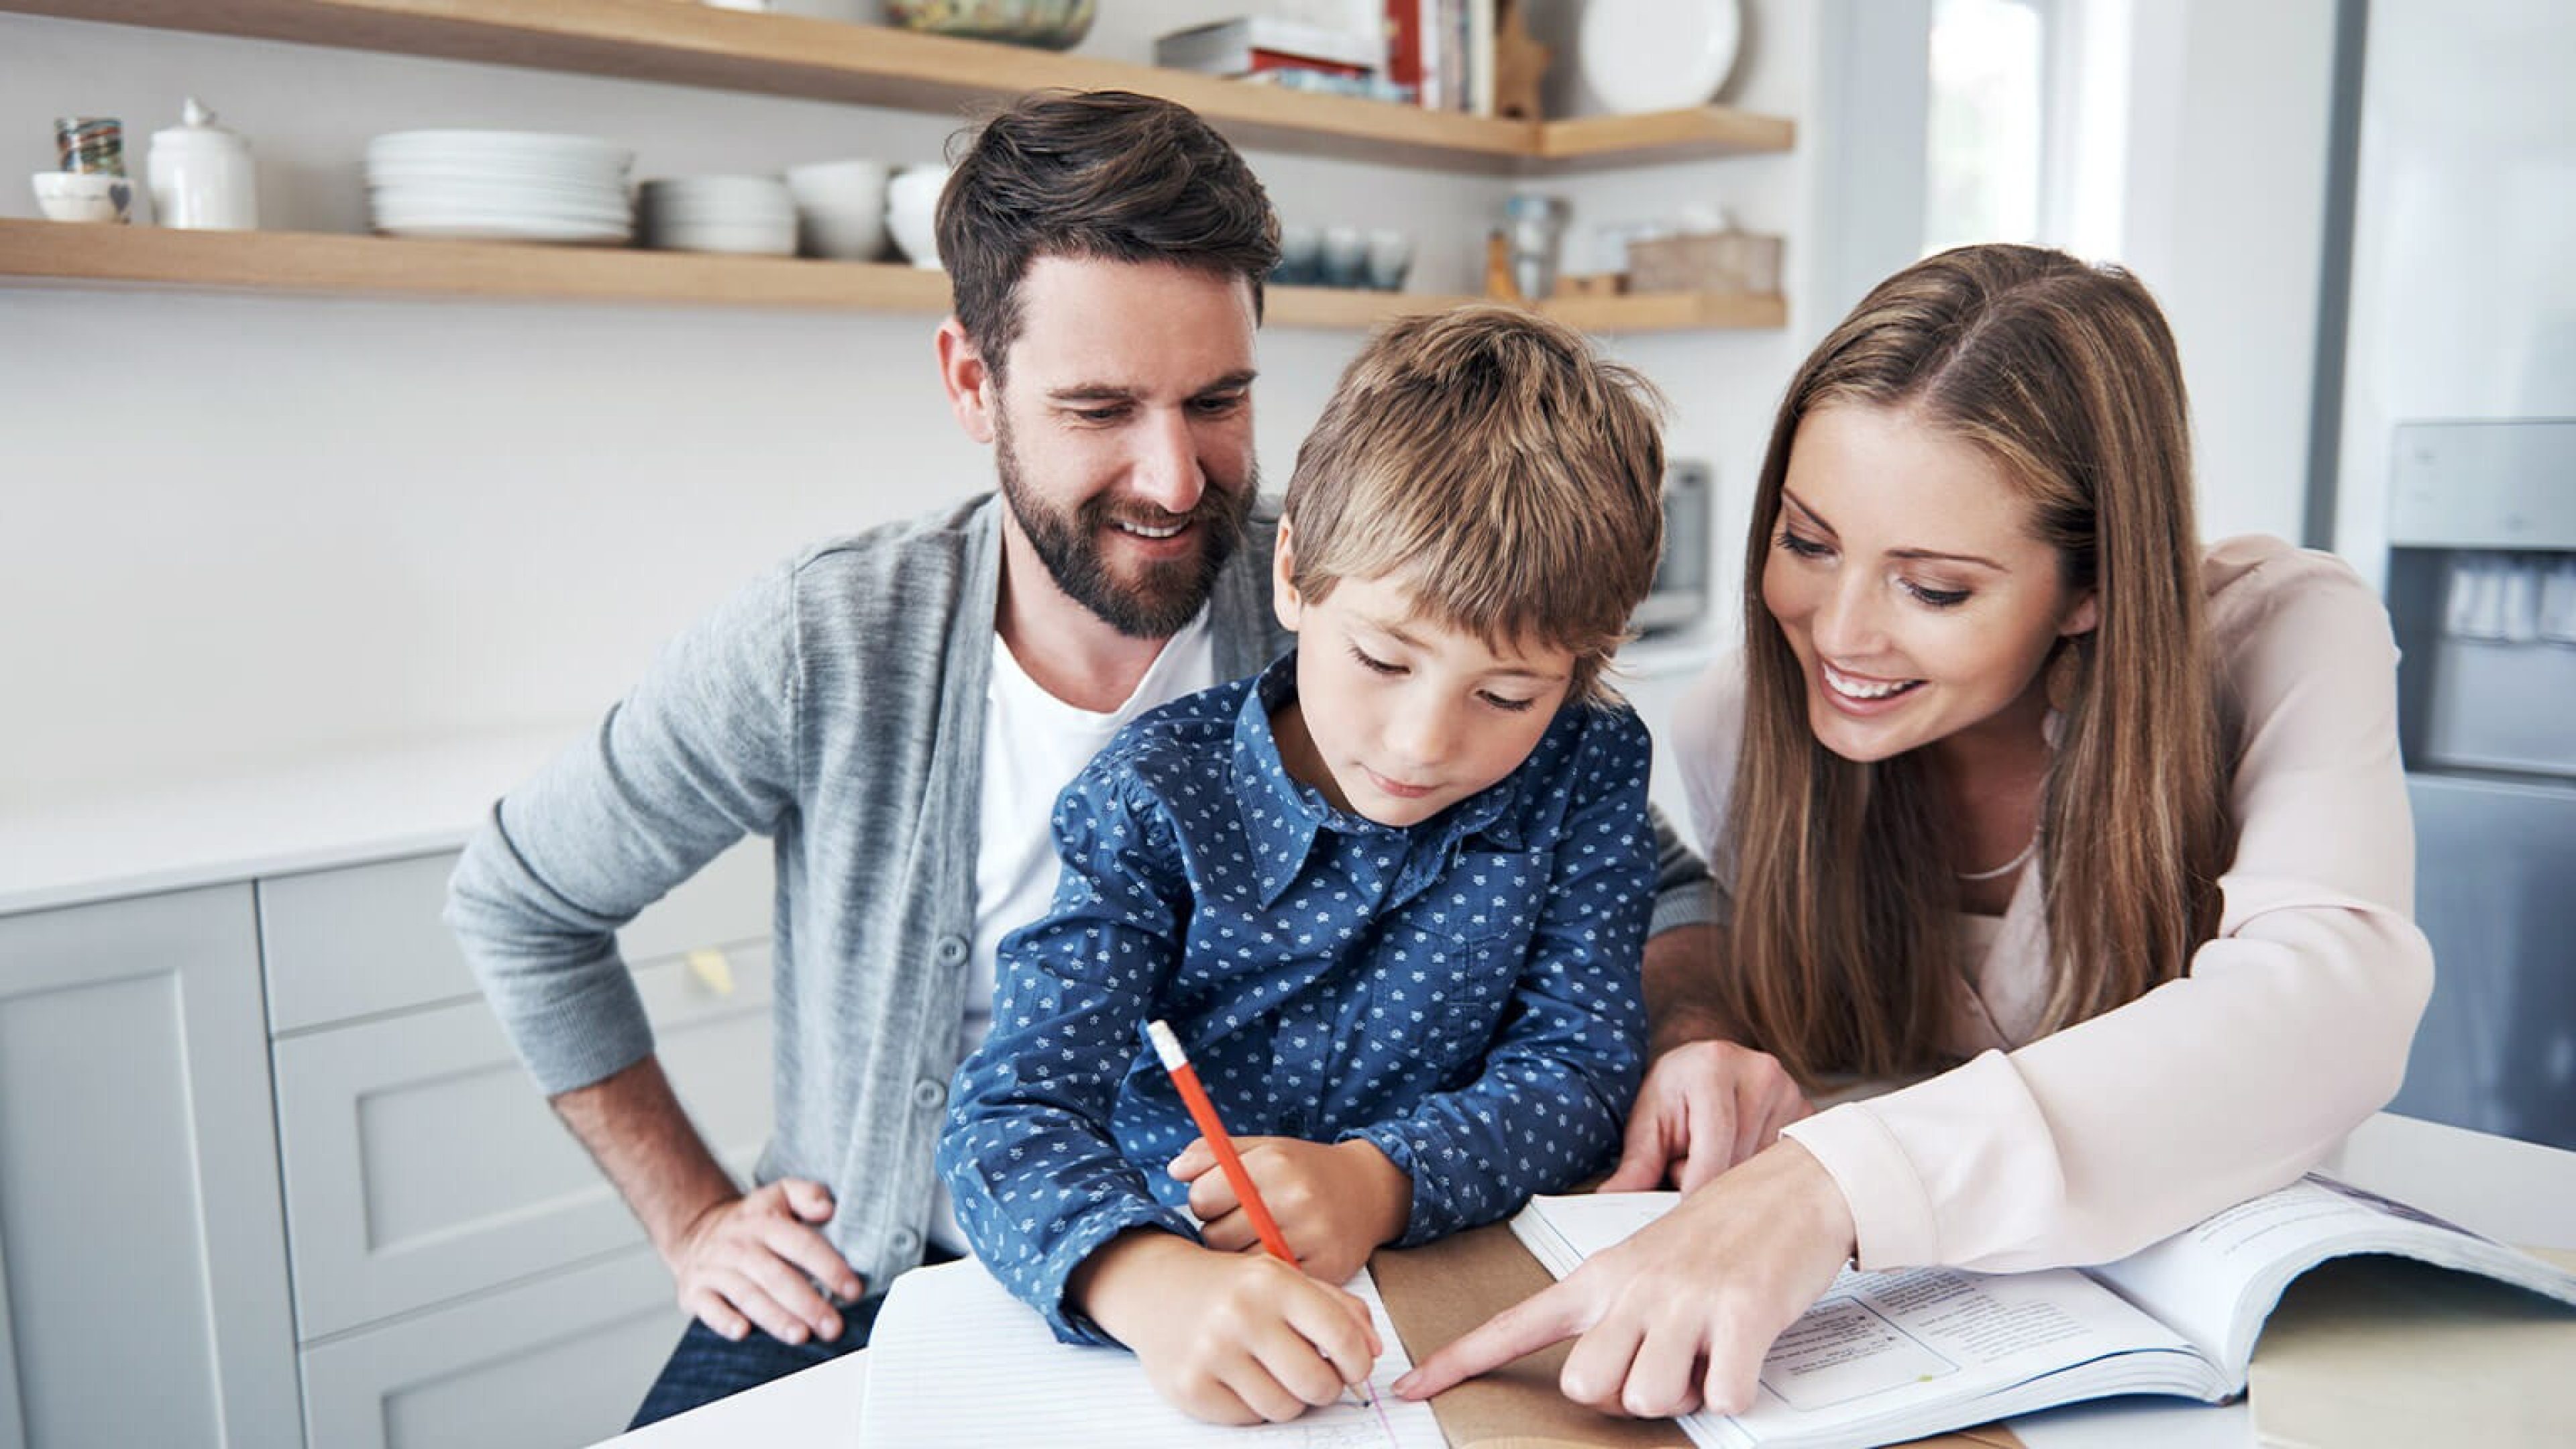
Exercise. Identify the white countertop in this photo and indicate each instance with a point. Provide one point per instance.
(336, 810)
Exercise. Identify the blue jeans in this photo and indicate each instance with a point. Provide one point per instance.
(707, 1366)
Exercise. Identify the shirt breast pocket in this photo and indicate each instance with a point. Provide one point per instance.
(1453, 960)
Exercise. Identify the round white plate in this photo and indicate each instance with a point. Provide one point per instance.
(461, 229)
(1658, 55)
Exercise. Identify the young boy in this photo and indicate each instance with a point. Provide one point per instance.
(1390, 892)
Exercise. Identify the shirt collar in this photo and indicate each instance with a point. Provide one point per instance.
(1283, 816)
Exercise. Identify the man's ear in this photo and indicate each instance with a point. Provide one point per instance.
(972, 395)
(2084, 617)
(1283, 595)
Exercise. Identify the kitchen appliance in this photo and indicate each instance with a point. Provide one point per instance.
(1678, 598)
(2482, 594)
(2453, 460)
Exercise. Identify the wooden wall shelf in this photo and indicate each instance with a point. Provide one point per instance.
(688, 44)
(316, 262)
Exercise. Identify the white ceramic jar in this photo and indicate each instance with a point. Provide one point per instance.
(201, 175)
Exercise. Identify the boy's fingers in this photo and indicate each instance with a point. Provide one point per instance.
(1334, 1328)
(1212, 1197)
(1227, 1232)
(1193, 1161)
(1712, 1137)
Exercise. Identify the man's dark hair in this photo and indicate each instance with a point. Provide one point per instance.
(1098, 175)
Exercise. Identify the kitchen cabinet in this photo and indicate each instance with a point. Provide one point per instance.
(870, 65)
(174, 1154)
(142, 1249)
(551, 1363)
(420, 1164)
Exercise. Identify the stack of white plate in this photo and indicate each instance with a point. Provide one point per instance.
(500, 186)
(746, 214)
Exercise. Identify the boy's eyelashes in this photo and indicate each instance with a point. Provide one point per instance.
(1376, 665)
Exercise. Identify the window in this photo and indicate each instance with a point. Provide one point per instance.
(1985, 159)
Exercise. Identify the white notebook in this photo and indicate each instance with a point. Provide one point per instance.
(956, 1360)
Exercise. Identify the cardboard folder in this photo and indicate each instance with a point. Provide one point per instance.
(1437, 1292)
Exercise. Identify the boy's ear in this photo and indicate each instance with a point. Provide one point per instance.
(967, 380)
(1283, 595)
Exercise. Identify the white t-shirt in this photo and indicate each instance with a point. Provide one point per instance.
(1034, 744)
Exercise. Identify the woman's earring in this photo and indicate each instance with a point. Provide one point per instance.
(2065, 677)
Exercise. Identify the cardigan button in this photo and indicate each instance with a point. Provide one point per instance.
(950, 950)
(930, 1092)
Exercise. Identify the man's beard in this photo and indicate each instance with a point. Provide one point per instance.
(1167, 595)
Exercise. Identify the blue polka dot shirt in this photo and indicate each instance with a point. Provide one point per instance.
(1463, 993)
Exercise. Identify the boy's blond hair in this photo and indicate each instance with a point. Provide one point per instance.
(1507, 473)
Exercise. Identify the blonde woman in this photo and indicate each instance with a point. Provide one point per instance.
(2014, 789)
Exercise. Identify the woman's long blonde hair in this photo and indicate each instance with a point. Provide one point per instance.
(1845, 951)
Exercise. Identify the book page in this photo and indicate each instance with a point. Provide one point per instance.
(2216, 1280)
(956, 1360)
(1891, 1349)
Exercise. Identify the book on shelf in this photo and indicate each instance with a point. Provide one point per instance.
(1884, 1357)
(1258, 43)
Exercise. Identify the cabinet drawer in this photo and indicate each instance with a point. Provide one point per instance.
(365, 939)
(421, 1163)
(551, 1364)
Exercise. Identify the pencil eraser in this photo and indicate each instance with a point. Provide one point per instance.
(1166, 1045)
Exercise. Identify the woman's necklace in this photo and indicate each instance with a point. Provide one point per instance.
(2007, 868)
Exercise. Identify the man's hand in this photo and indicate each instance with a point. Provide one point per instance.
(1335, 1204)
(754, 1260)
(739, 1260)
(1704, 1108)
(1232, 1338)
(1681, 1314)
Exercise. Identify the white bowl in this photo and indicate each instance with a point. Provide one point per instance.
(840, 185)
(855, 236)
(912, 208)
(83, 196)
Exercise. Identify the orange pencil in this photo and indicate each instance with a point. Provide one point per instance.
(1203, 1112)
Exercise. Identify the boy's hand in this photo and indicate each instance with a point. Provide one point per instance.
(1335, 1203)
(1232, 1338)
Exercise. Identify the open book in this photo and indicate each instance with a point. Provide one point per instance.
(954, 1359)
(1884, 1357)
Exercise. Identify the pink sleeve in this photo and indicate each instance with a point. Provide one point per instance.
(2292, 1027)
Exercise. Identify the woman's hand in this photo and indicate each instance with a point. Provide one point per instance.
(1704, 1108)
(1680, 1315)
(1334, 1203)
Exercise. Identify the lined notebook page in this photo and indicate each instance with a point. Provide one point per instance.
(955, 1359)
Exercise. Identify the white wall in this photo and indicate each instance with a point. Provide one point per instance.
(2230, 108)
(241, 531)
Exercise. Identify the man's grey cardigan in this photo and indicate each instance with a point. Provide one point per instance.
(835, 705)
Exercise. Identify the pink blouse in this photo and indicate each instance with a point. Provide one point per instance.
(2291, 1028)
